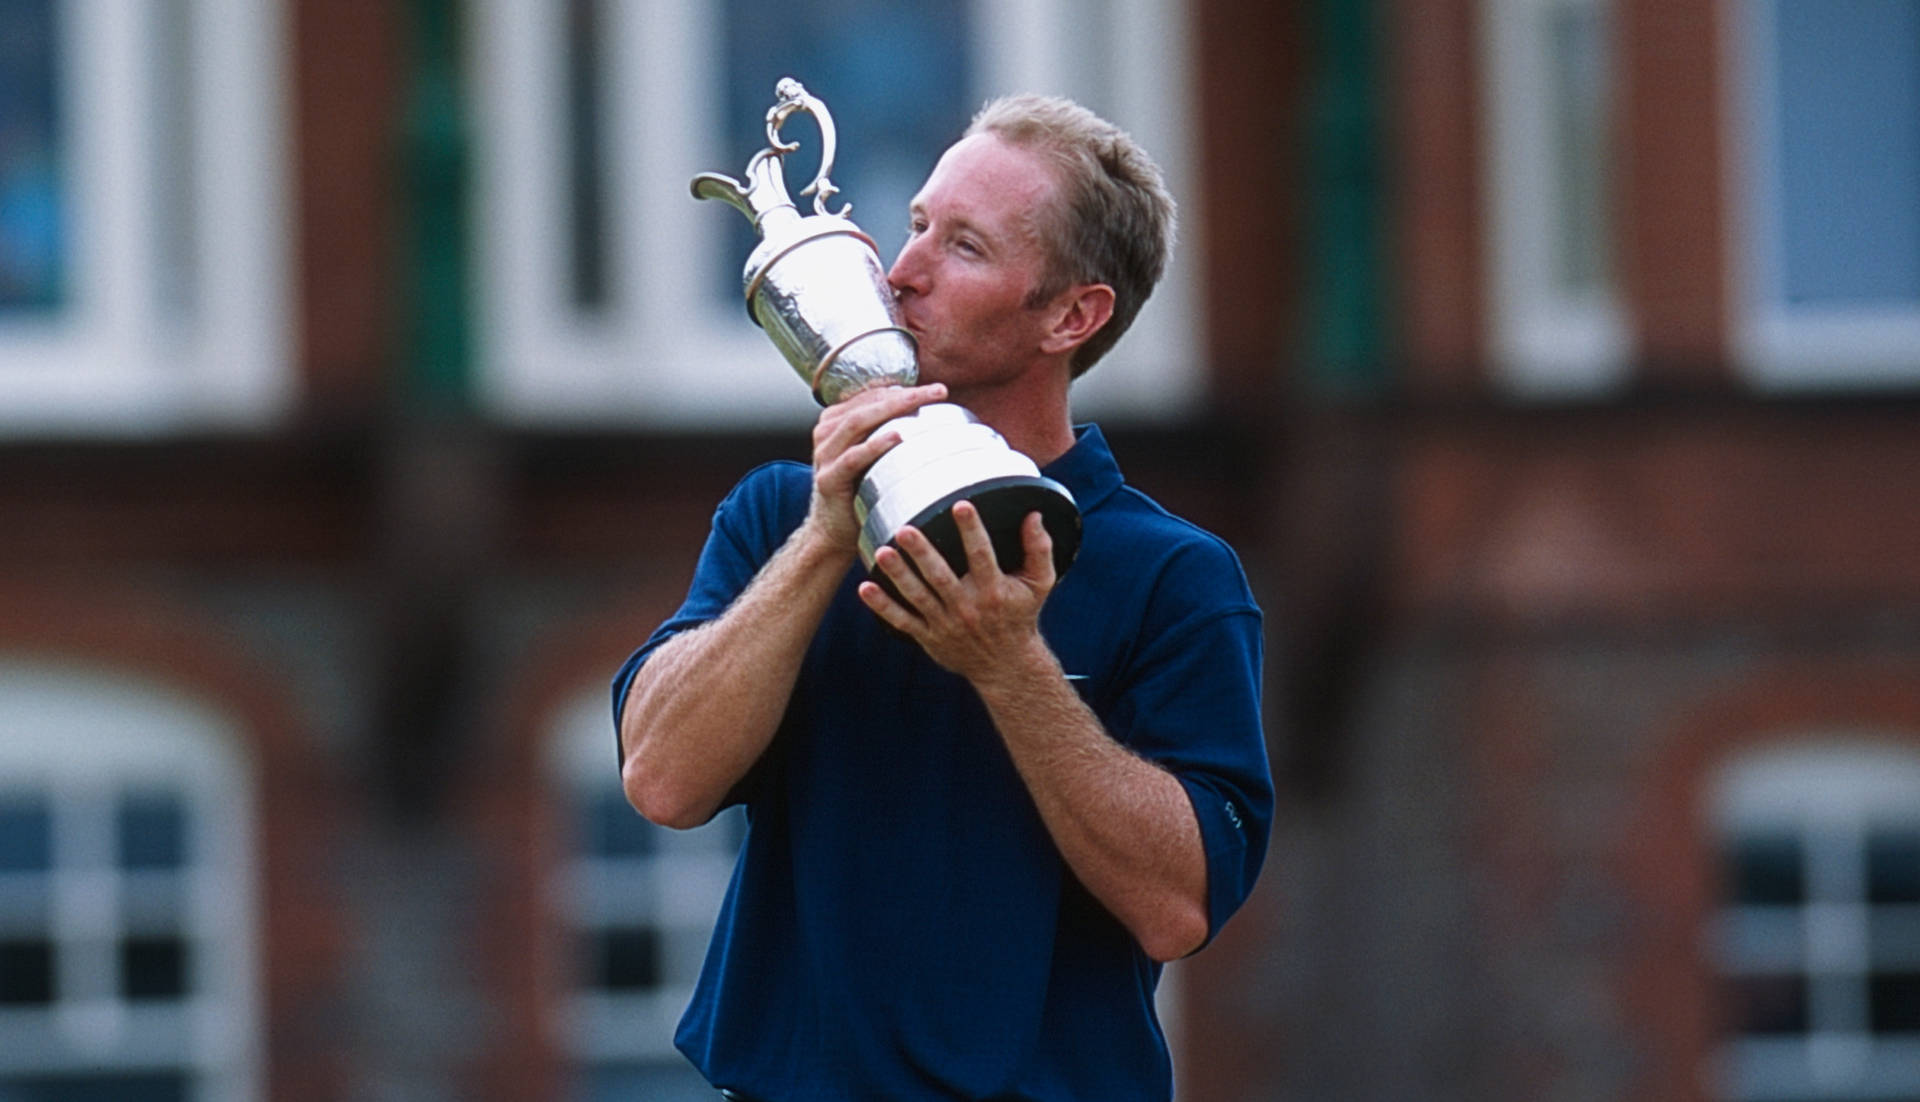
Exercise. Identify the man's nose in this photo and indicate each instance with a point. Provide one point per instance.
(905, 273)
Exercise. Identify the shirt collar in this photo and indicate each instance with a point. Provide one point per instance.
(1088, 469)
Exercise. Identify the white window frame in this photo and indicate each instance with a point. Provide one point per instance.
(663, 352)
(109, 360)
(675, 891)
(1546, 342)
(1778, 346)
(1827, 793)
(81, 737)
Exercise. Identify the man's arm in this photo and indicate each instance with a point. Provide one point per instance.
(706, 704)
(1122, 823)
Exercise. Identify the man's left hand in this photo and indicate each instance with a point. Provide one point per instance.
(973, 625)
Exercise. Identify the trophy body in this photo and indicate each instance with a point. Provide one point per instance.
(816, 285)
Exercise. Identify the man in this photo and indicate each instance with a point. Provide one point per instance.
(983, 814)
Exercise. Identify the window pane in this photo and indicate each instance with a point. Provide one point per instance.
(152, 1087)
(1581, 165)
(26, 972)
(615, 829)
(895, 77)
(26, 834)
(675, 1082)
(153, 831)
(1766, 869)
(1893, 867)
(33, 228)
(587, 225)
(153, 967)
(1848, 128)
(1895, 1003)
(1767, 1004)
(175, 170)
(625, 959)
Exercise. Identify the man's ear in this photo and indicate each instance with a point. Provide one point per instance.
(1079, 313)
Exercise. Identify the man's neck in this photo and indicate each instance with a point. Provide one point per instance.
(1034, 420)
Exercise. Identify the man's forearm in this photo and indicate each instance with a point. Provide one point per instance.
(705, 705)
(1122, 823)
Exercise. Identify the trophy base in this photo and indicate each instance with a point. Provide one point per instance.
(1004, 505)
(945, 456)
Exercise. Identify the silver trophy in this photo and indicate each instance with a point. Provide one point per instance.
(816, 285)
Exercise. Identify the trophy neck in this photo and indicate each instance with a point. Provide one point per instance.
(778, 222)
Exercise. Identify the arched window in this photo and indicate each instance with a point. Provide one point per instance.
(1817, 936)
(128, 964)
(637, 904)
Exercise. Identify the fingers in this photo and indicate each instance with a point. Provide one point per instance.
(974, 539)
(889, 610)
(846, 440)
(925, 582)
(1038, 568)
(844, 424)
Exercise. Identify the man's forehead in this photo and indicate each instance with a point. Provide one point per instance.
(981, 173)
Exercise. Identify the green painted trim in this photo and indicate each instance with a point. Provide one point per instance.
(1344, 329)
(434, 143)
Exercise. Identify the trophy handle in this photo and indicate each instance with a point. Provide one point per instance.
(792, 97)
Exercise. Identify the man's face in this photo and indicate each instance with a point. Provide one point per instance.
(973, 253)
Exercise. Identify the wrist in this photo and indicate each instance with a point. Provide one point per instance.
(1018, 670)
(826, 540)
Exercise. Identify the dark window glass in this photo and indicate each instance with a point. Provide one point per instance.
(615, 829)
(26, 832)
(626, 959)
(1893, 867)
(1767, 1004)
(26, 972)
(153, 831)
(33, 230)
(153, 967)
(664, 1082)
(1766, 869)
(1894, 1002)
(587, 223)
(148, 1087)
(895, 77)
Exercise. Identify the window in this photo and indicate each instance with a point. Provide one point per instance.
(608, 294)
(637, 904)
(1818, 937)
(127, 965)
(1555, 312)
(1826, 99)
(124, 305)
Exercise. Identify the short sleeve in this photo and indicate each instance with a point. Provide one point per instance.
(749, 525)
(1191, 703)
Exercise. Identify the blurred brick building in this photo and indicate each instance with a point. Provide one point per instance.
(367, 377)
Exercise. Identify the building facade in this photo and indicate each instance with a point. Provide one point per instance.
(368, 377)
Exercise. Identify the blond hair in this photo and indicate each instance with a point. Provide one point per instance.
(1113, 221)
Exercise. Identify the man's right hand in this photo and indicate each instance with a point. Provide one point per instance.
(845, 445)
(706, 705)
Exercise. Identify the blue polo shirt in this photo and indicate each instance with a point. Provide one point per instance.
(900, 925)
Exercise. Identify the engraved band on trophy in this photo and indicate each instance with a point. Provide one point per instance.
(816, 285)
